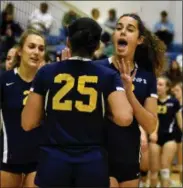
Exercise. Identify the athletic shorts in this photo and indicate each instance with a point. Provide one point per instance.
(56, 171)
(123, 171)
(178, 135)
(164, 138)
(19, 168)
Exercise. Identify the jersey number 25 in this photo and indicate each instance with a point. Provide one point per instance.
(81, 88)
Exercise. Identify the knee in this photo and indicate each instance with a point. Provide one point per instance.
(154, 168)
(165, 173)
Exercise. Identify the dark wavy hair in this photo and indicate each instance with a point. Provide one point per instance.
(150, 55)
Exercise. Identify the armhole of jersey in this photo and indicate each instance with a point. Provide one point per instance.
(5, 140)
(46, 100)
(103, 104)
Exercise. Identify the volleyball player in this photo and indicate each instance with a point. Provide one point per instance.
(73, 94)
(163, 144)
(143, 53)
(20, 151)
(144, 160)
(177, 92)
(9, 63)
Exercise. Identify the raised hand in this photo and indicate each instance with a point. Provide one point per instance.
(125, 72)
(66, 54)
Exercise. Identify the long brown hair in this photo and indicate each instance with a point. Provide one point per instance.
(150, 55)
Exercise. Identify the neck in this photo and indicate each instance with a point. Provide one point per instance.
(162, 97)
(27, 74)
(81, 55)
(180, 100)
(126, 59)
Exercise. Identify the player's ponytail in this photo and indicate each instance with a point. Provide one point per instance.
(84, 36)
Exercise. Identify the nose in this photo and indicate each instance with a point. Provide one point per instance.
(123, 31)
(36, 50)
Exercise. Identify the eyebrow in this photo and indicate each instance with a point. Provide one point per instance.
(37, 44)
(130, 25)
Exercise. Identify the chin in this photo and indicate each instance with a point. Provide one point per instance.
(122, 54)
(34, 66)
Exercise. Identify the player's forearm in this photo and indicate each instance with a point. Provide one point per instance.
(146, 119)
(179, 120)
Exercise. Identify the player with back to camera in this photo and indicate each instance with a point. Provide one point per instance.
(74, 95)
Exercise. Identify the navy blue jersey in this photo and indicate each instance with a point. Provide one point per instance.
(19, 147)
(167, 114)
(75, 92)
(176, 127)
(124, 142)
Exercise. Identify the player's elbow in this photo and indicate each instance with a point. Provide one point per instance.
(124, 119)
(26, 126)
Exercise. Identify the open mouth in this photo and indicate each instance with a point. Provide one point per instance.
(122, 43)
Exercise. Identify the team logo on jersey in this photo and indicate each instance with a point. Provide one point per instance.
(162, 109)
(140, 80)
(9, 84)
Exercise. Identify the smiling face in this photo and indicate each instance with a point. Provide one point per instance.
(33, 51)
(126, 37)
(162, 87)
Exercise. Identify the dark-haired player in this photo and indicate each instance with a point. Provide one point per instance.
(75, 94)
(133, 43)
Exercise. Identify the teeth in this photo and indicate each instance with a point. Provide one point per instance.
(122, 45)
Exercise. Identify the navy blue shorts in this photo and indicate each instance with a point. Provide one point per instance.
(164, 138)
(178, 135)
(56, 171)
(123, 171)
(19, 168)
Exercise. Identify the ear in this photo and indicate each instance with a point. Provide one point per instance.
(140, 40)
(98, 46)
(19, 52)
